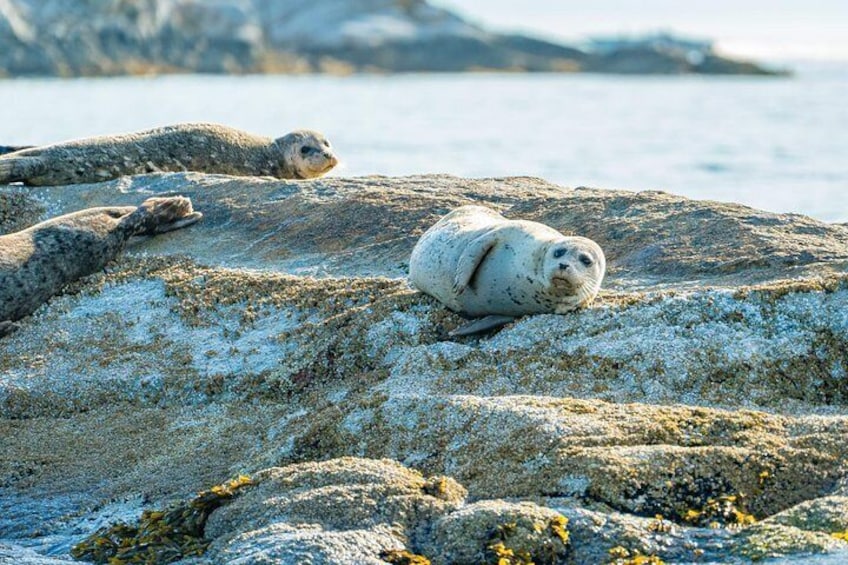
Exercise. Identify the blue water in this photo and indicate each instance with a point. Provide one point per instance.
(777, 144)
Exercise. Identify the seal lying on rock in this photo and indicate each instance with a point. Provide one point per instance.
(207, 148)
(38, 262)
(12, 148)
(478, 263)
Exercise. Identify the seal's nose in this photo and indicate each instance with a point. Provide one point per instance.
(331, 158)
(564, 266)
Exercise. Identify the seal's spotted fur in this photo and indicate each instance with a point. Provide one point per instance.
(208, 148)
(478, 263)
(38, 262)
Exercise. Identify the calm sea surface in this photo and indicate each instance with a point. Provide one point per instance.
(777, 144)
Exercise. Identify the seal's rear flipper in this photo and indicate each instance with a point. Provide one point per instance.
(160, 215)
(482, 325)
(177, 224)
(6, 176)
(20, 169)
(8, 327)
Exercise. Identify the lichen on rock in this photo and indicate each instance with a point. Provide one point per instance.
(278, 337)
(500, 532)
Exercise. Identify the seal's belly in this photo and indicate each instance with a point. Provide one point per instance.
(504, 286)
(434, 260)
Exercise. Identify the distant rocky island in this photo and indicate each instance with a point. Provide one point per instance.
(118, 37)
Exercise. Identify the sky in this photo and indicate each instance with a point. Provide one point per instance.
(763, 29)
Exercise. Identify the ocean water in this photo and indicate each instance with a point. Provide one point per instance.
(780, 144)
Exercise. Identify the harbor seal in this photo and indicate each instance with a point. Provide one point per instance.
(207, 148)
(12, 148)
(478, 263)
(38, 262)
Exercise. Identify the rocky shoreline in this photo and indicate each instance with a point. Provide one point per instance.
(278, 339)
(105, 38)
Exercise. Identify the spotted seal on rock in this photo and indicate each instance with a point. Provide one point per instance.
(207, 148)
(38, 262)
(478, 263)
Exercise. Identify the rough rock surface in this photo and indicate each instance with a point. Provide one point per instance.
(707, 384)
(103, 37)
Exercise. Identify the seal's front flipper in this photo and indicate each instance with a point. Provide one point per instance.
(8, 327)
(471, 259)
(482, 325)
(20, 169)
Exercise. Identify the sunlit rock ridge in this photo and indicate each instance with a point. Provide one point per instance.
(115, 37)
(279, 339)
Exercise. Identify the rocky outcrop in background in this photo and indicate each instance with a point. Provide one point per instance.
(114, 37)
(278, 338)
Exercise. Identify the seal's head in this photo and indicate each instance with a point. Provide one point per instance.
(307, 153)
(574, 268)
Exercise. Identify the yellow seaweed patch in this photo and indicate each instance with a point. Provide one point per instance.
(841, 535)
(660, 525)
(622, 556)
(161, 536)
(506, 556)
(558, 528)
(723, 511)
(502, 550)
(403, 557)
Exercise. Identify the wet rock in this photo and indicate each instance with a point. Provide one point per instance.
(17, 555)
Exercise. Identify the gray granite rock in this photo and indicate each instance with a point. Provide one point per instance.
(368, 225)
(707, 384)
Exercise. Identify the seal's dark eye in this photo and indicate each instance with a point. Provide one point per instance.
(306, 150)
(585, 259)
(559, 253)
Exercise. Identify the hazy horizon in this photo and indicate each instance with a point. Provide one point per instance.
(762, 29)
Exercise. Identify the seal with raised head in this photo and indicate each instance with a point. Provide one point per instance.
(205, 148)
(38, 262)
(478, 263)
